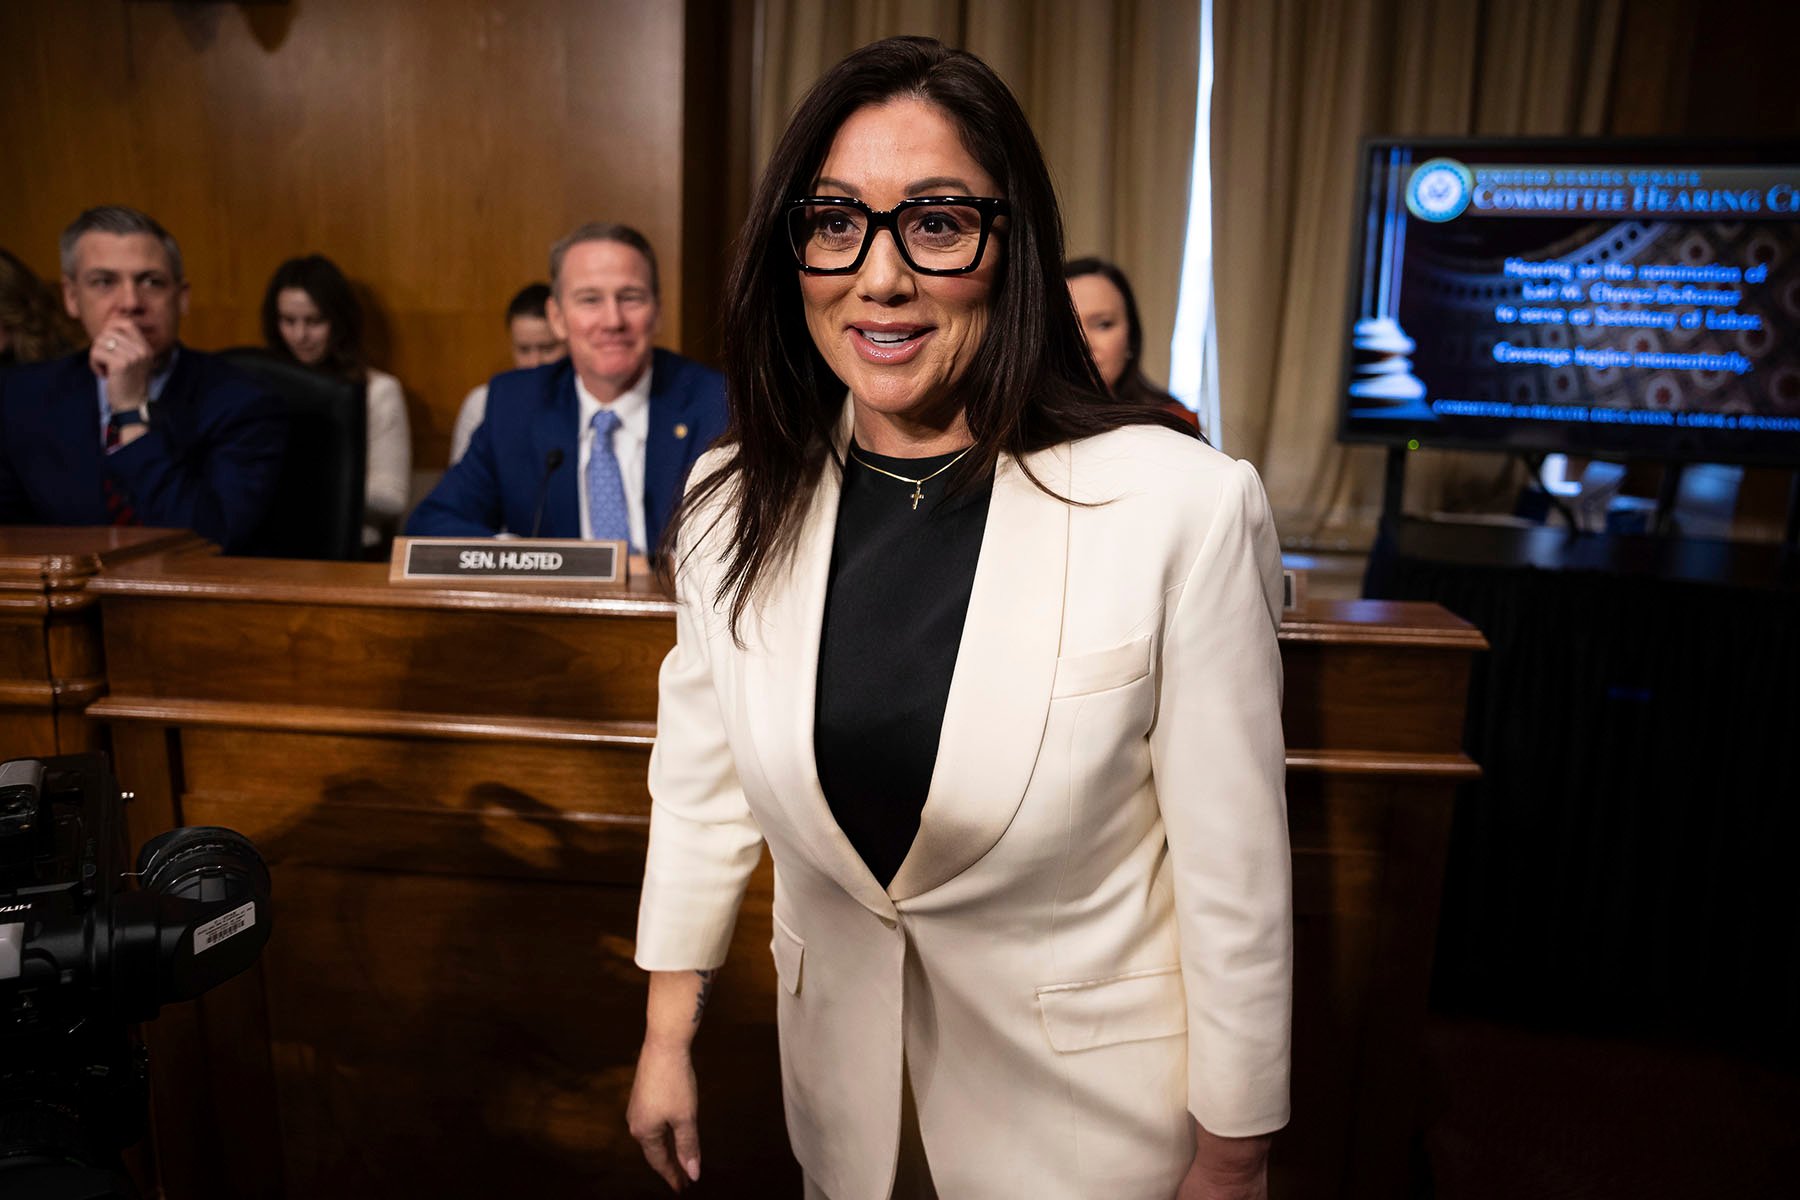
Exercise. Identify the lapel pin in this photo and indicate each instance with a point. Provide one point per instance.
(681, 431)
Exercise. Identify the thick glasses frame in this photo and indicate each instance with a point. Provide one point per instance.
(989, 207)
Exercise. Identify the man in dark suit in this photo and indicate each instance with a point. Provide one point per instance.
(137, 429)
(598, 444)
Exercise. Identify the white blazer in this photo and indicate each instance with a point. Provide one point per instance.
(1091, 935)
(389, 452)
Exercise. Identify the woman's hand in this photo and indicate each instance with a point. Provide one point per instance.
(1226, 1168)
(665, 1102)
(664, 1113)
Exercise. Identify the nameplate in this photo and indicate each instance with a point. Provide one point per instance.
(438, 560)
(1293, 589)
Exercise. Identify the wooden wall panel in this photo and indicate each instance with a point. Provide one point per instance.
(563, 813)
(453, 953)
(51, 662)
(433, 150)
(396, 661)
(1348, 695)
(23, 653)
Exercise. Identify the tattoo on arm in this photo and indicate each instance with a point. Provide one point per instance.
(706, 982)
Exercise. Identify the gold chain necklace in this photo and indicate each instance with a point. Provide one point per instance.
(918, 484)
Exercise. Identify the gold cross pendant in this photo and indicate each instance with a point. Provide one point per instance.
(918, 495)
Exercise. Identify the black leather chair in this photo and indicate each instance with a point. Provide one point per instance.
(318, 507)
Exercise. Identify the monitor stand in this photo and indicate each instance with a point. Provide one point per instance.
(1791, 536)
(1667, 495)
(1393, 488)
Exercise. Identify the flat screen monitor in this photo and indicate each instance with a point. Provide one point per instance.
(1600, 298)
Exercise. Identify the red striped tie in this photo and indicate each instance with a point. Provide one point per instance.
(118, 504)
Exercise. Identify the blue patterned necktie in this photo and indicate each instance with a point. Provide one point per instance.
(608, 518)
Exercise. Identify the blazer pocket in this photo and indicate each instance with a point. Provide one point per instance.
(1134, 1007)
(789, 951)
(1116, 666)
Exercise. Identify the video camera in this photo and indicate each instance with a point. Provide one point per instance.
(83, 957)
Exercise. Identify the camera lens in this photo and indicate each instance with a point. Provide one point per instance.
(194, 862)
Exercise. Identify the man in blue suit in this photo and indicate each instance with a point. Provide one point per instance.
(599, 444)
(137, 429)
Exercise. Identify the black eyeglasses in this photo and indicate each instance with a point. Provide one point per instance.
(936, 235)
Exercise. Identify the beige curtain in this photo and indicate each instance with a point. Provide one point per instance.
(1296, 84)
(1109, 89)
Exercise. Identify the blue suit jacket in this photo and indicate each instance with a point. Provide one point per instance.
(209, 463)
(496, 484)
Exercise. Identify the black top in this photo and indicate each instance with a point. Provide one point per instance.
(894, 609)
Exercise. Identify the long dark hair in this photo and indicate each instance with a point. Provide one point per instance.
(31, 313)
(1133, 385)
(330, 292)
(1029, 385)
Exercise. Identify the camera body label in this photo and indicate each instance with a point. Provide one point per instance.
(219, 928)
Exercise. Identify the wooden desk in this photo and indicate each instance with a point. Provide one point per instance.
(51, 667)
(1373, 714)
(449, 787)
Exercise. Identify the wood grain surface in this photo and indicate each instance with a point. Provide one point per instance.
(51, 663)
(434, 151)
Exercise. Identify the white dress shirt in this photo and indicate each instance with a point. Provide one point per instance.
(468, 420)
(629, 441)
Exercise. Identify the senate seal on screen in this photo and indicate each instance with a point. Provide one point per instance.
(1439, 190)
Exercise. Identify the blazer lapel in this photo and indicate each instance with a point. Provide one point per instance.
(781, 676)
(555, 429)
(72, 414)
(180, 395)
(1000, 691)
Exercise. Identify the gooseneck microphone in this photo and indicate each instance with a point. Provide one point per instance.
(552, 460)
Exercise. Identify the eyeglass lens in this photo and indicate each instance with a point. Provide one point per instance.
(937, 237)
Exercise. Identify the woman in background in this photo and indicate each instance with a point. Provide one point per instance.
(311, 316)
(32, 326)
(1109, 321)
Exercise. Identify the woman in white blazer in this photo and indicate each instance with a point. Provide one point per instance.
(987, 660)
